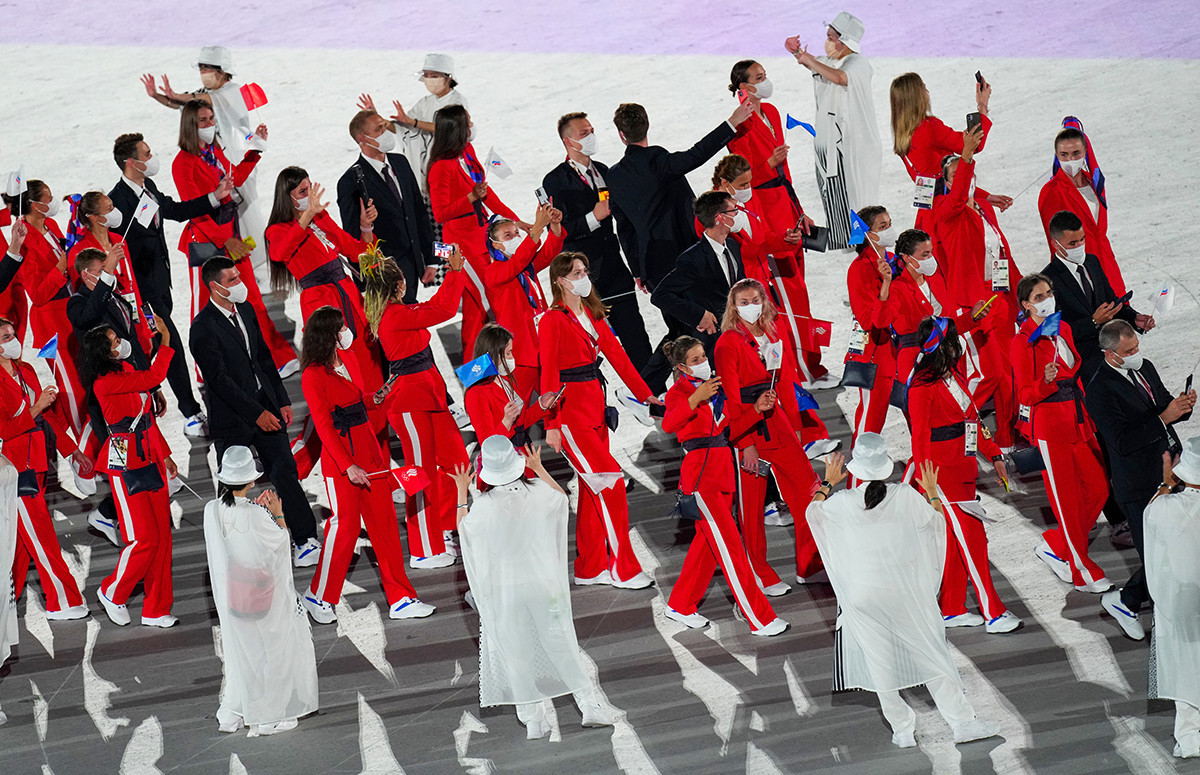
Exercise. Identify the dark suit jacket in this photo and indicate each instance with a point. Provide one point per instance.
(1077, 311)
(404, 229)
(101, 307)
(652, 202)
(147, 244)
(234, 398)
(8, 271)
(698, 283)
(1135, 436)
(576, 199)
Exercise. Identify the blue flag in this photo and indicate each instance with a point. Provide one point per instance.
(858, 229)
(50, 349)
(473, 371)
(792, 123)
(805, 399)
(1049, 327)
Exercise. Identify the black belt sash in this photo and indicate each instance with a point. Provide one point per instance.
(706, 442)
(904, 341)
(1067, 390)
(331, 273)
(781, 181)
(749, 394)
(948, 432)
(347, 417)
(413, 364)
(585, 373)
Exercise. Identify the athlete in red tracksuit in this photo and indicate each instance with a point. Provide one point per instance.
(357, 474)
(874, 306)
(572, 336)
(514, 291)
(416, 405)
(1046, 371)
(463, 218)
(135, 443)
(931, 142)
(694, 414)
(946, 431)
(495, 405)
(772, 436)
(197, 174)
(1062, 192)
(22, 404)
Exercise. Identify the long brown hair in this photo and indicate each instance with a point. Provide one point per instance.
(89, 204)
(729, 169)
(189, 130)
(451, 128)
(731, 319)
(492, 339)
(320, 339)
(910, 106)
(283, 210)
(561, 266)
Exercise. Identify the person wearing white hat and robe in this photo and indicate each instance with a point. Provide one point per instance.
(1172, 545)
(266, 640)
(514, 548)
(883, 546)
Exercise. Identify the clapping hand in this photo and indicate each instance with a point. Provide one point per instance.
(269, 500)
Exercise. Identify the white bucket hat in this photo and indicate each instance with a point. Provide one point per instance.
(238, 467)
(438, 63)
(216, 56)
(871, 462)
(1188, 467)
(850, 28)
(500, 463)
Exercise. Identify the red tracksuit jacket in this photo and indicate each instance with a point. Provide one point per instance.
(194, 177)
(874, 316)
(1059, 193)
(931, 141)
(24, 442)
(47, 288)
(931, 406)
(485, 403)
(739, 364)
(756, 142)
(510, 303)
(911, 308)
(303, 252)
(333, 402)
(712, 466)
(124, 394)
(449, 185)
(1064, 418)
(404, 331)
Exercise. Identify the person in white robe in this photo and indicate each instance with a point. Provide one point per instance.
(8, 548)
(848, 147)
(1172, 539)
(266, 640)
(514, 548)
(883, 546)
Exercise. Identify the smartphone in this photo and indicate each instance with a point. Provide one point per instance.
(983, 310)
(148, 313)
(978, 77)
(442, 250)
(764, 468)
(973, 120)
(542, 197)
(603, 194)
(1125, 299)
(1187, 386)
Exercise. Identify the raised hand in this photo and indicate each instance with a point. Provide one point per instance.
(365, 102)
(151, 86)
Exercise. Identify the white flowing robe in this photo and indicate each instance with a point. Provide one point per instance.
(235, 126)
(885, 564)
(8, 548)
(845, 121)
(514, 543)
(270, 665)
(1172, 525)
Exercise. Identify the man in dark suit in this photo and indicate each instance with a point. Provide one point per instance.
(403, 227)
(697, 289)
(1133, 412)
(652, 202)
(247, 404)
(579, 188)
(148, 254)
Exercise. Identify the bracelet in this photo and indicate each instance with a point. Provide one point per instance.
(461, 506)
(935, 498)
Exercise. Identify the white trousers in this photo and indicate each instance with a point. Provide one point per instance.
(947, 694)
(1187, 729)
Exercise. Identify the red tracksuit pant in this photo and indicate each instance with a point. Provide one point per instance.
(602, 519)
(354, 507)
(967, 558)
(1078, 487)
(281, 349)
(796, 480)
(990, 356)
(432, 442)
(718, 542)
(145, 521)
(37, 540)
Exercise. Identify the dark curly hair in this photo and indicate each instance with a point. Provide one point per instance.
(95, 357)
(320, 339)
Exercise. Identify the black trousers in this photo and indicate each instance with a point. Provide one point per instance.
(177, 373)
(1135, 592)
(615, 285)
(1112, 507)
(275, 454)
(658, 368)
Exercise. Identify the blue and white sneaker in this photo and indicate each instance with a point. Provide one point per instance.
(963, 620)
(774, 514)
(410, 608)
(103, 526)
(289, 368)
(319, 610)
(1061, 567)
(1005, 622)
(196, 426)
(306, 554)
(1111, 601)
(640, 411)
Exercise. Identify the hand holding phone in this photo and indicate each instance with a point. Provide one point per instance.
(1125, 299)
(978, 77)
(974, 120)
(542, 197)
(442, 250)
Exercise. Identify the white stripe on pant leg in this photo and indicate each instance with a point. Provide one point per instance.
(69, 389)
(305, 435)
(195, 291)
(968, 560)
(864, 408)
(609, 530)
(731, 577)
(422, 502)
(41, 553)
(473, 276)
(1062, 518)
(131, 541)
(976, 362)
(741, 495)
(330, 545)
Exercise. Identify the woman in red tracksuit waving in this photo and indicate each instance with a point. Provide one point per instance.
(495, 405)
(695, 414)
(1045, 368)
(416, 403)
(572, 335)
(137, 460)
(750, 343)
(357, 471)
(946, 430)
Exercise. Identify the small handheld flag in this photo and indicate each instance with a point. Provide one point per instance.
(49, 349)
(15, 184)
(858, 229)
(1163, 300)
(413, 479)
(792, 123)
(805, 399)
(496, 165)
(477, 370)
(146, 210)
(772, 354)
(253, 96)
(1049, 327)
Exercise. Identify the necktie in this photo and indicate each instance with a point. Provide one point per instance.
(1142, 384)
(591, 177)
(122, 312)
(729, 268)
(391, 183)
(1088, 291)
(245, 340)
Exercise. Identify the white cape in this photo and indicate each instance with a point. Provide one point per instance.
(414, 143)
(8, 547)
(235, 125)
(1172, 525)
(514, 543)
(886, 567)
(852, 128)
(270, 666)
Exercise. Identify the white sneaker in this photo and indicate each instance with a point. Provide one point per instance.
(536, 729)
(66, 614)
(773, 628)
(604, 577)
(814, 449)
(306, 554)
(824, 383)
(469, 599)
(820, 577)
(4, 720)
(117, 614)
(778, 589)
(289, 368)
(974, 730)
(694, 621)
(638, 580)
(432, 561)
(410, 608)
(1005, 622)
(159, 621)
(263, 730)
(1096, 587)
(595, 716)
(319, 610)
(904, 739)
(229, 727)
(640, 411)
(776, 516)
(1061, 567)
(460, 416)
(86, 487)
(104, 526)
(963, 620)
(196, 426)
(398, 495)
(1111, 601)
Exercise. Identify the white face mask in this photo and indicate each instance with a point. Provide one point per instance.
(1072, 167)
(345, 338)
(208, 80)
(740, 221)
(702, 370)
(582, 286)
(763, 89)
(51, 207)
(927, 266)
(124, 349)
(11, 349)
(1046, 307)
(587, 145)
(1075, 255)
(435, 84)
(151, 167)
(302, 203)
(207, 134)
(750, 312)
(237, 294)
(510, 365)
(386, 142)
(742, 195)
(887, 237)
(1131, 362)
(112, 219)
(509, 247)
